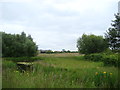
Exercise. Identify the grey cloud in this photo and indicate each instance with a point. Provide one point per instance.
(52, 28)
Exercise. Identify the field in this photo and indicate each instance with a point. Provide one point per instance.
(65, 70)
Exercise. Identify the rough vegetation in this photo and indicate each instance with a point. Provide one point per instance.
(96, 67)
(111, 59)
(61, 72)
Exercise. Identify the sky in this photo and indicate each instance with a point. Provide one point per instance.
(57, 24)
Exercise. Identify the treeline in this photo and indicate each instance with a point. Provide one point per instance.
(50, 51)
(18, 45)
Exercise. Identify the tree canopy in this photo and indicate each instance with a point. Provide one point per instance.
(113, 34)
(18, 45)
(91, 44)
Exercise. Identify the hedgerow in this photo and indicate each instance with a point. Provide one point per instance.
(107, 59)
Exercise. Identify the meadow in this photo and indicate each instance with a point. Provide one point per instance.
(64, 70)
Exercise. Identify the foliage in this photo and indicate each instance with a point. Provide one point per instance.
(15, 45)
(91, 44)
(66, 72)
(94, 57)
(46, 51)
(107, 59)
(108, 51)
(9, 65)
(111, 60)
(113, 34)
(23, 59)
(51, 52)
(104, 78)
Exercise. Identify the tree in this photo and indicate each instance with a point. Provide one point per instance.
(91, 44)
(15, 45)
(113, 34)
(29, 36)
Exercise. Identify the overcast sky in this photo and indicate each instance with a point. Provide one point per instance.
(57, 24)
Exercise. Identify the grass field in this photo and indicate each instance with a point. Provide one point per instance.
(65, 70)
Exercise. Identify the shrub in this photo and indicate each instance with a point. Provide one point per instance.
(111, 59)
(94, 57)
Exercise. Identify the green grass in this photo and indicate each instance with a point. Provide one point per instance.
(23, 59)
(61, 72)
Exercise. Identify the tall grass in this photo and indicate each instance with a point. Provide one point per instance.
(60, 72)
(23, 59)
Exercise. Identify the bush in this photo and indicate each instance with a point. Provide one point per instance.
(111, 59)
(94, 57)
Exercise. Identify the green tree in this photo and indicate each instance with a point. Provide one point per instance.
(113, 34)
(29, 36)
(18, 45)
(91, 44)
